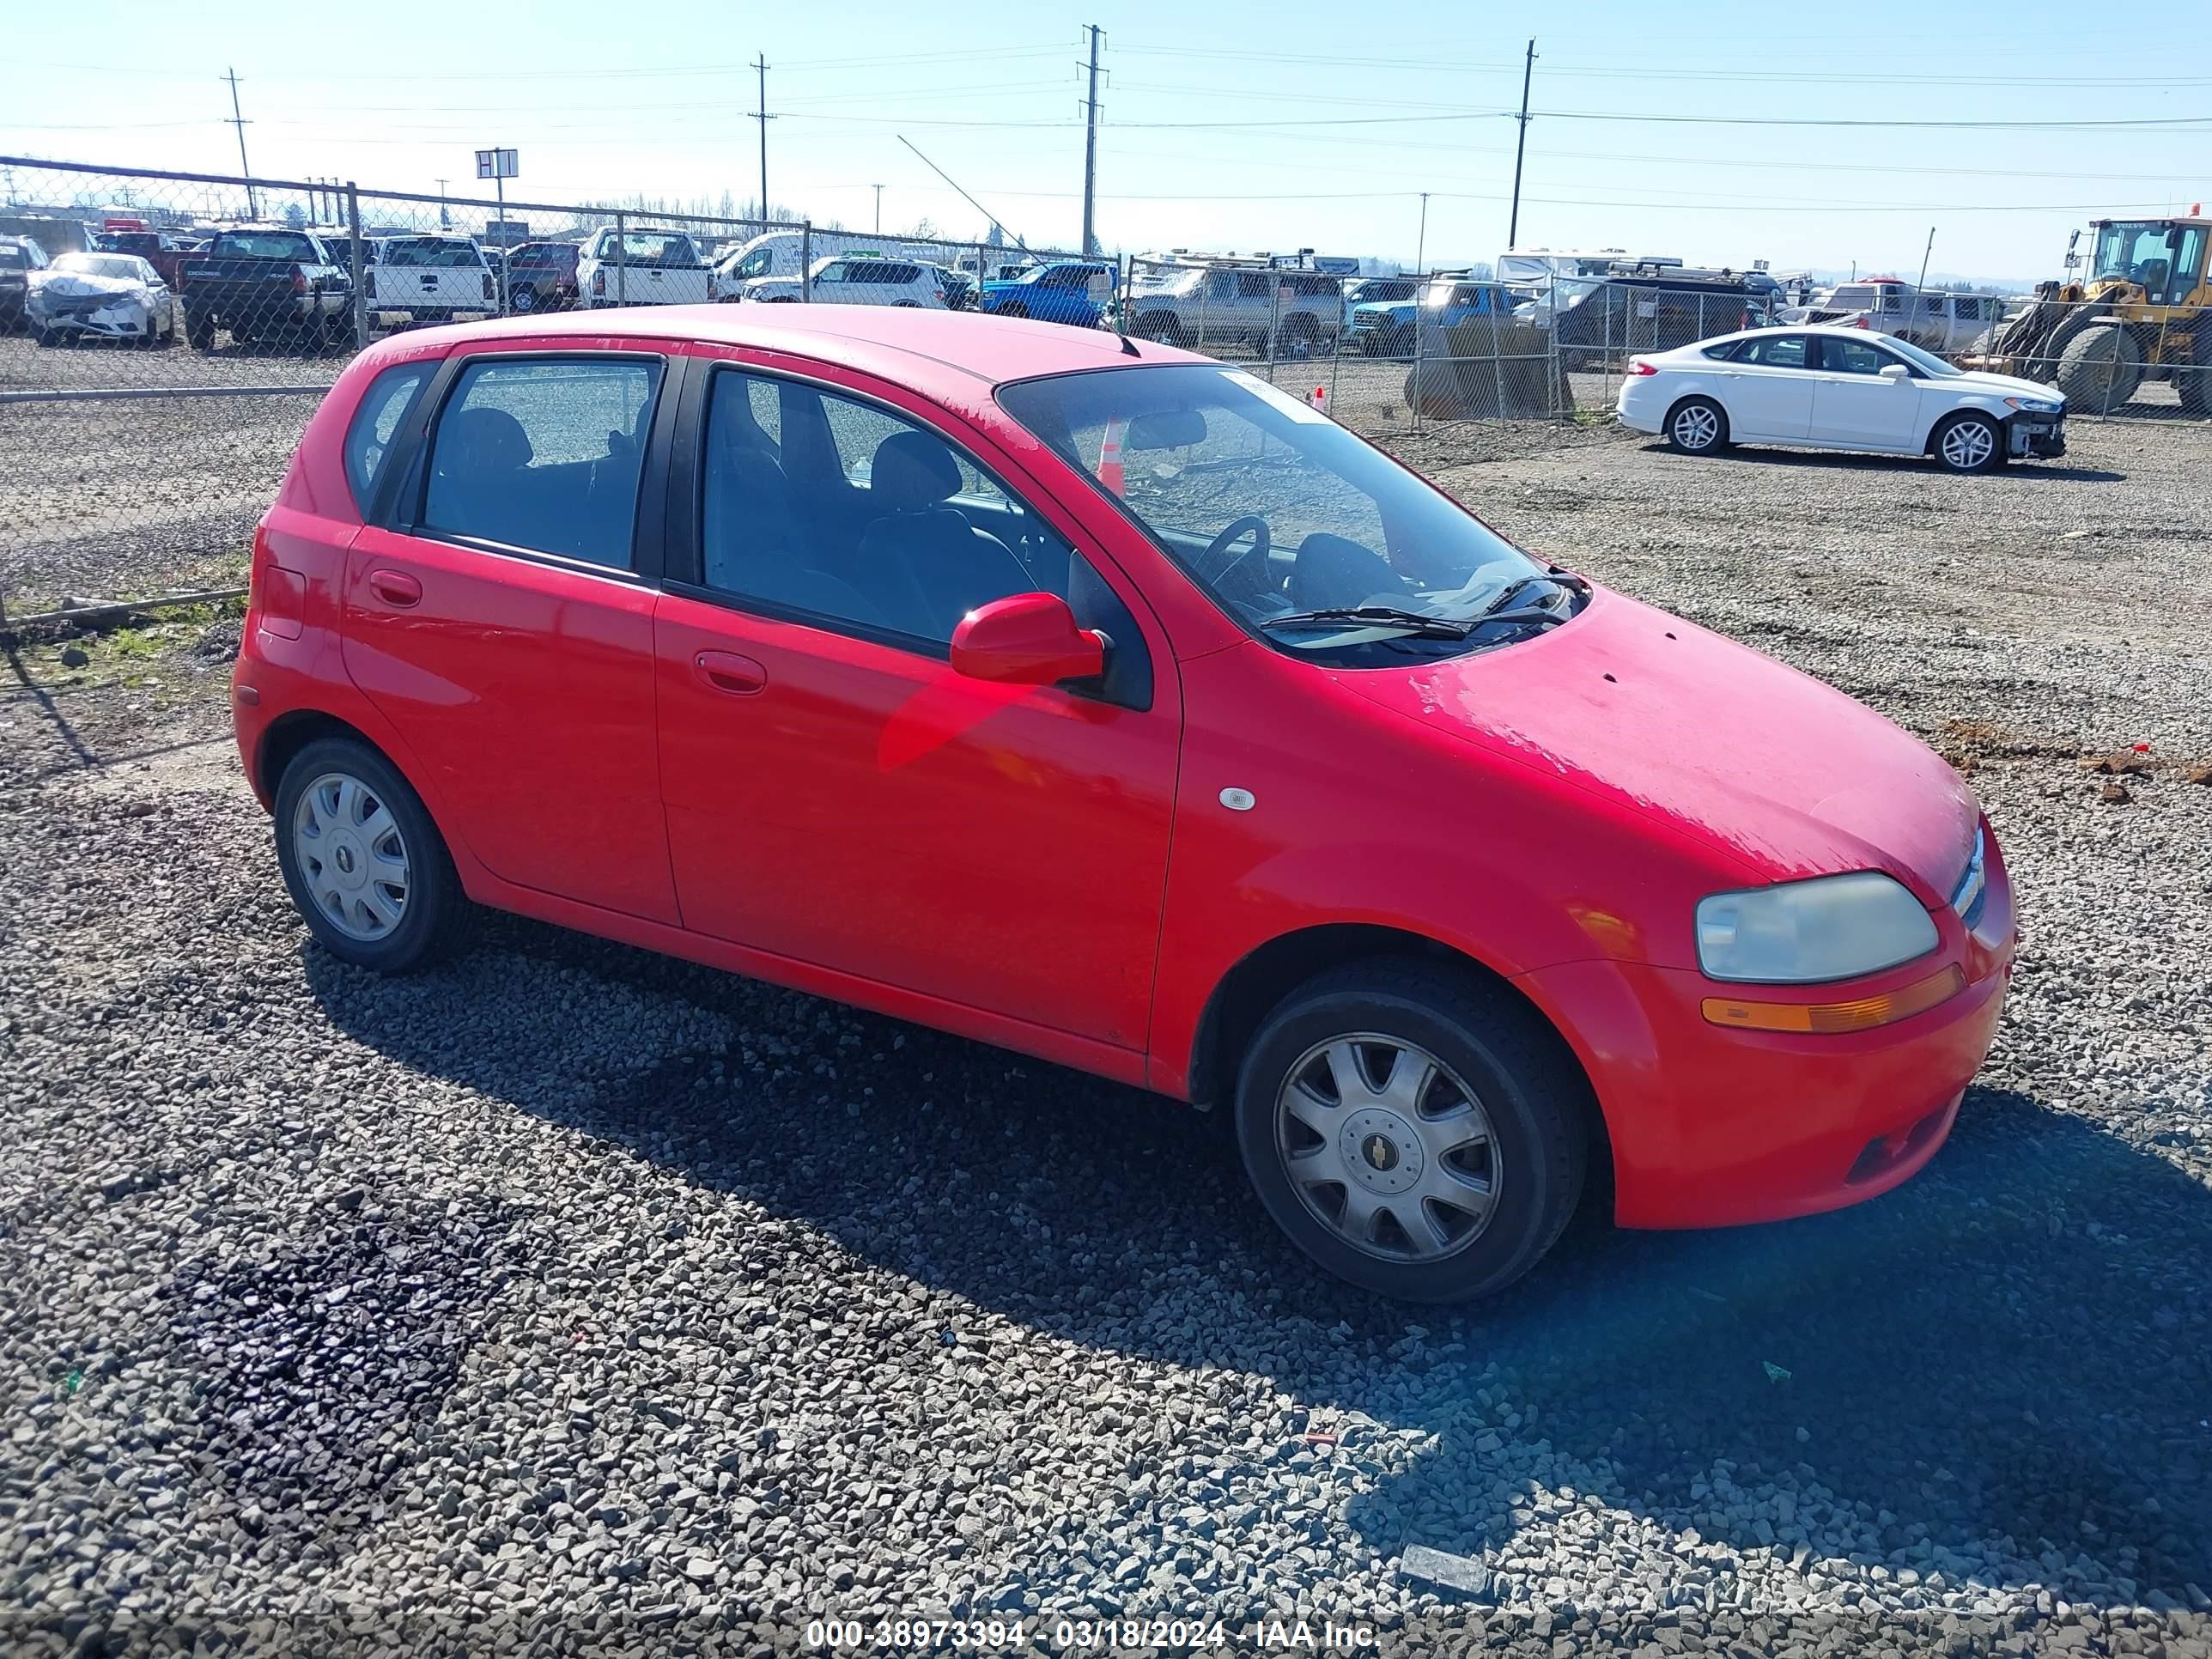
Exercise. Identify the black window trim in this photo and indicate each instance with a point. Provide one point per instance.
(400, 493)
(684, 572)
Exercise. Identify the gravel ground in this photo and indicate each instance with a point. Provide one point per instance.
(575, 1300)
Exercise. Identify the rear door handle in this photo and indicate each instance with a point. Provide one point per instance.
(395, 588)
(726, 671)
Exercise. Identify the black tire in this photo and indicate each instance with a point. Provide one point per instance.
(2195, 388)
(1686, 431)
(1013, 308)
(436, 916)
(1525, 1078)
(1956, 452)
(199, 331)
(47, 337)
(523, 299)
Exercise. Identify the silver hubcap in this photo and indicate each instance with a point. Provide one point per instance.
(1387, 1147)
(1968, 444)
(1695, 428)
(351, 856)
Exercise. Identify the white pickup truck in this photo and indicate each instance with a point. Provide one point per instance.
(430, 279)
(642, 268)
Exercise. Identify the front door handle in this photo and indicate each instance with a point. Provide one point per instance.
(726, 671)
(395, 588)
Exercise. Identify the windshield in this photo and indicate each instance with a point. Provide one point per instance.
(1923, 362)
(646, 248)
(1278, 512)
(123, 265)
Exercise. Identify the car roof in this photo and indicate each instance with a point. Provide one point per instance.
(934, 351)
(1841, 330)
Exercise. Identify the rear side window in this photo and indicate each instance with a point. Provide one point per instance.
(1773, 351)
(544, 454)
(376, 423)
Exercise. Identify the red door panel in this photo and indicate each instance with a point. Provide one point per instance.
(865, 809)
(526, 689)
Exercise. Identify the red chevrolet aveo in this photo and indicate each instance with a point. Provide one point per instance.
(1100, 701)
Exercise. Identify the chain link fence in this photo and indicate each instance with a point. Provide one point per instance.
(165, 335)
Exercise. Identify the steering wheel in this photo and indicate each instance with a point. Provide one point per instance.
(1250, 524)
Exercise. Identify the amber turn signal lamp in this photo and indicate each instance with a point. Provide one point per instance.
(1826, 1019)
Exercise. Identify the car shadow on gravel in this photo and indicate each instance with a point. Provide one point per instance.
(1844, 461)
(2013, 1345)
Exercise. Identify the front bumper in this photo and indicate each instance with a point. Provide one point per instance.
(2037, 437)
(1713, 1126)
(123, 322)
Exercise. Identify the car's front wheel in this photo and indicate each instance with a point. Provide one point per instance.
(1969, 443)
(1698, 426)
(364, 864)
(1417, 1132)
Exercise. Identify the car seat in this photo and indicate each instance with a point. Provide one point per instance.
(930, 565)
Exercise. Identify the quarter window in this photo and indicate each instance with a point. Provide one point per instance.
(544, 454)
(376, 421)
(844, 511)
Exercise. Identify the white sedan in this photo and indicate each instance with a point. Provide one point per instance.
(1839, 388)
(114, 296)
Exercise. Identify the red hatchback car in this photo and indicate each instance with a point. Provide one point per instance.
(1100, 701)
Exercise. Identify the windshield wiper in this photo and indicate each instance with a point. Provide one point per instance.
(1511, 591)
(1388, 615)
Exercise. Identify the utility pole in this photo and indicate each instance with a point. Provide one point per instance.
(879, 210)
(1421, 247)
(1925, 254)
(1091, 152)
(1521, 147)
(762, 116)
(238, 120)
(444, 221)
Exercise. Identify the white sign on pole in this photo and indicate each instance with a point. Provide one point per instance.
(497, 164)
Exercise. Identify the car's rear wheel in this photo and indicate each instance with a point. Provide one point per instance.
(1416, 1132)
(364, 864)
(1013, 308)
(1698, 426)
(1969, 443)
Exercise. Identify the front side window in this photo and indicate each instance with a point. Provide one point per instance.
(843, 510)
(543, 454)
(1287, 520)
(376, 421)
(758, 263)
(1842, 356)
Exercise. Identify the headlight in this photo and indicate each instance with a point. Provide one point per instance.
(2034, 405)
(1803, 932)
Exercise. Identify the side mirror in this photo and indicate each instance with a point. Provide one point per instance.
(1897, 371)
(1026, 639)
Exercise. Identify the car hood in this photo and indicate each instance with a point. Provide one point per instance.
(1387, 310)
(1787, 775)
(73, 284)
(2001, 385)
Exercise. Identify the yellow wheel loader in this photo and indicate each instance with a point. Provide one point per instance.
(2144, 315)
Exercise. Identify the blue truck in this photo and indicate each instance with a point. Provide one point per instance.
(1072, 291)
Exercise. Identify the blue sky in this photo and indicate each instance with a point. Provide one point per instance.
(1234, 127)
